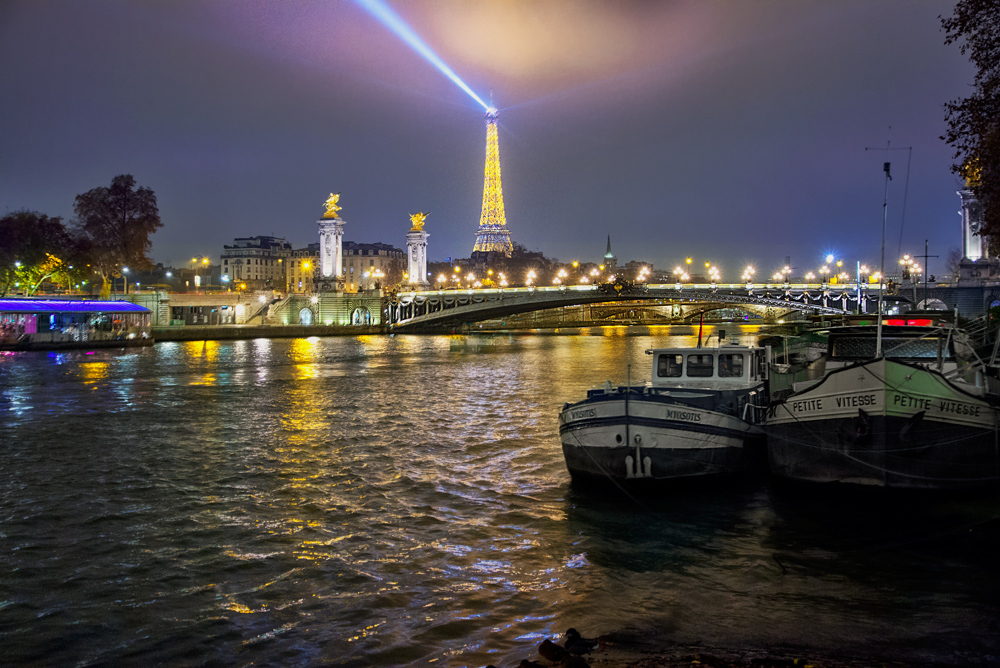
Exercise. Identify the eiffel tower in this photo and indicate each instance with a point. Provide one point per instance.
(493, 235)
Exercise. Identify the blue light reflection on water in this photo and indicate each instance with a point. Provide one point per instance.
(379, 500)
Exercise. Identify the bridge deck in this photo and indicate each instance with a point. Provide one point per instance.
(450, 307)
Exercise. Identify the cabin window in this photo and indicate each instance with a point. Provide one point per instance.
(863, 347)
(701, 366)
(911, 348)
(730, 366)
(670, 366)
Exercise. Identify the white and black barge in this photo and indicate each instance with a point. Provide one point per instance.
(696, 416)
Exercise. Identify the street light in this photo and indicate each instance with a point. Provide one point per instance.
(195, 261)
(125, 278)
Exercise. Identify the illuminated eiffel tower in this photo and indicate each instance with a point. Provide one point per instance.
(493, 235)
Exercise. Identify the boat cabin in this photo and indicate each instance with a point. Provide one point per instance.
(726, 366)
(71, 323)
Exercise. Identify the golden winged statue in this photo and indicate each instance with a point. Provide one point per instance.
(418, 221)
(973, 172)
(331, 206)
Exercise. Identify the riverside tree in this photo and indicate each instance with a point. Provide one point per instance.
(35, 248)
(974, 121)
(116, 223)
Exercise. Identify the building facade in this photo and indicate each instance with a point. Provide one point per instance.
(255, 263)
(300, 267)
(270, 263)
(371, 266)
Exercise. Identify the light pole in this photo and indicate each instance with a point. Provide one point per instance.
(125, 278)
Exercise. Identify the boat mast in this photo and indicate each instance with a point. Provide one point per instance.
(628, 389)
(881, 271)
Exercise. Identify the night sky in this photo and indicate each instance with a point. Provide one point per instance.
(733, 132)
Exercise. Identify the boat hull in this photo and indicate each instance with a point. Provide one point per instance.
(886, 424)
(657, 440)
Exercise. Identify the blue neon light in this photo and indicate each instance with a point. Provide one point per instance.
(66, 306)
(393, 22)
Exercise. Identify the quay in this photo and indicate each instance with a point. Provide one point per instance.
(235, 332)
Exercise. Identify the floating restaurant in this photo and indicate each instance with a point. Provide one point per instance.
(45, 324)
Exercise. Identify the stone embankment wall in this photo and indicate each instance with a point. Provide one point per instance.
(230, 332)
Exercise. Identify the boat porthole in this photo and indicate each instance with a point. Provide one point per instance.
(637, 439)
(618, 438)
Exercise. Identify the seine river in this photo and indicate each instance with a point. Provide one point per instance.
(404, 501)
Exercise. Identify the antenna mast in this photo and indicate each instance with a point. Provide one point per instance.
(881, 271)
(885, 211)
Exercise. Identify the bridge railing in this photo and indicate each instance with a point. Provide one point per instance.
(840, 287)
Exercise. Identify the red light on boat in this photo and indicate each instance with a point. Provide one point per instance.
(920, 322)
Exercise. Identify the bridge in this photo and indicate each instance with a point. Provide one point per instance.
(449, 308)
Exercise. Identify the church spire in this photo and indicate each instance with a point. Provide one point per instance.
(610, 261)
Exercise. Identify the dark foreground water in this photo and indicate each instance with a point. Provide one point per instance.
(395, 501)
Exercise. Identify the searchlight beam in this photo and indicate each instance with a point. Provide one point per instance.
(391, 20)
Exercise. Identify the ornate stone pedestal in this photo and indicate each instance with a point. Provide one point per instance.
(416, 259)
(329, 277)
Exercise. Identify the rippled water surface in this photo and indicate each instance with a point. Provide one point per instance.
(403, 500)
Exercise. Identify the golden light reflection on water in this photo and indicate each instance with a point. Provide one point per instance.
(207, 350)
(94, 371)
(305, 371)
(304, 350)
(304, 354)
(303, 421)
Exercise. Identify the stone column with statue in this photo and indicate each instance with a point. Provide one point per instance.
(416, 253)
(974, 247)
(329, 272)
